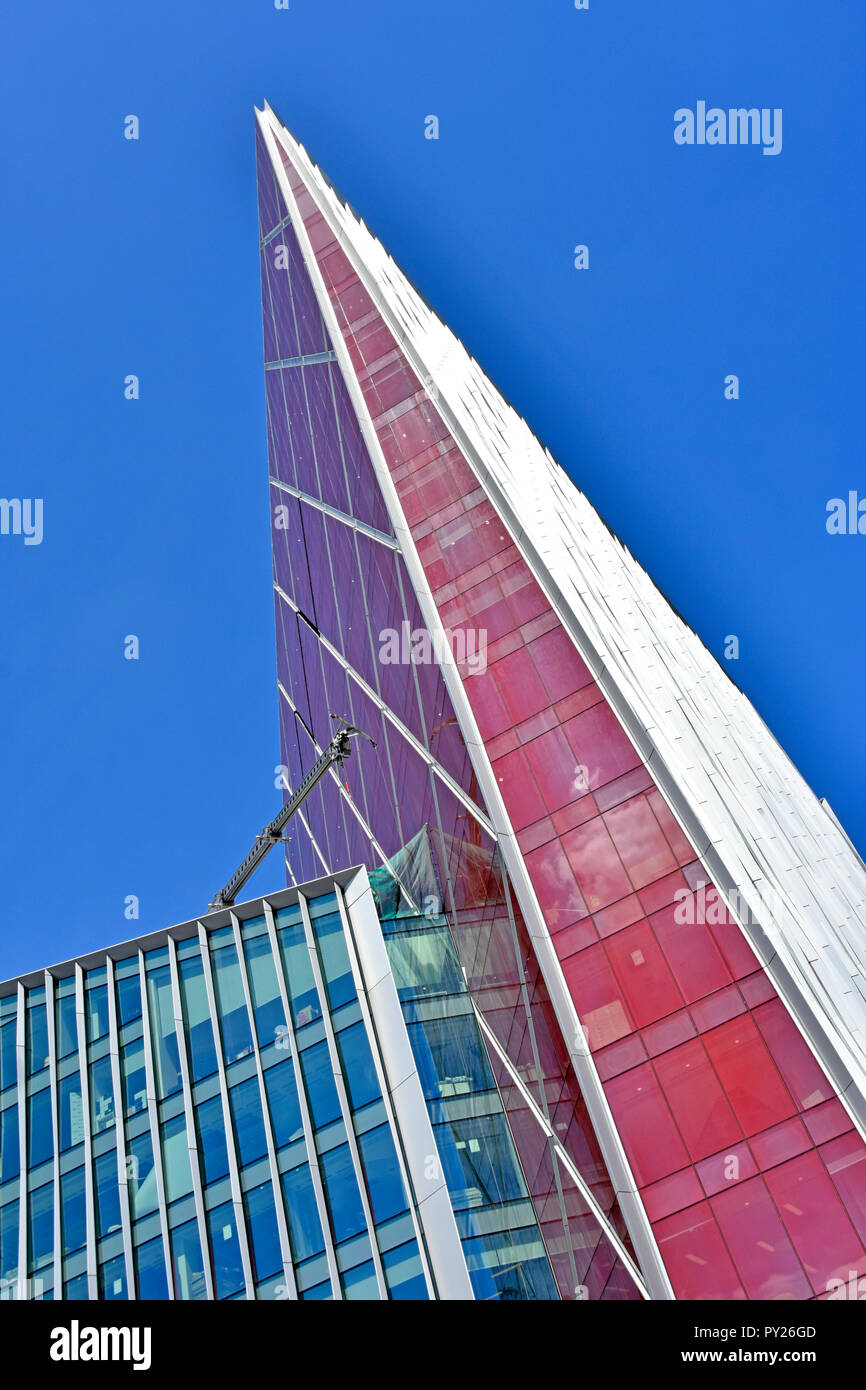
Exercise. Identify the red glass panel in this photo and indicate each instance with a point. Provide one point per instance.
(596, 864)
(596, 996)
(671, 827)
(756, 1238)
(779, 1143)
(698, 1102)
(600, 743)
(691, 953)
(642, 847)
(641, 970)
(559, 665)
(827, 1120)
(695, 1255)
(798, 1066)
(722, 1170)
(622, 914)
(519, 685)
(751, 1081)
(652, 1140)
(845, 1158)
(815, 1220)
(661, 1037)
(672, 1194)
(555, 885)
(525, 803)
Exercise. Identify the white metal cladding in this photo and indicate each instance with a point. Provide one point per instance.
(781, 860)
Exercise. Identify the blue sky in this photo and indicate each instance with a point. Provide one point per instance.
(556, 128)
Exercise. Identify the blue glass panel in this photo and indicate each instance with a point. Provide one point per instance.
(9, 1241)
(40, 1226)
(425, 964)
(112, 1279)
(187, 1262)
(150, 1278)
(133, 1077)
(510, 1265)
(8, 1069)
(303, 998)
(40, 1144)
(107, 1191)
(76, 1290)
(212, 1140)
(175, 1158)
(384, 1183)
(404, 1274)
(248, 1123)
(71, 1109)
(73, 1210)
(283, 1103)
(234, 1021)
(225, 1250)
(10, 1148)
(101, 1095)
(129, 997)
(319, 1080)
(479, 1161)
(334, 956)
(37, 1039)
(304, 1226)
(320, 1291)
(450, 1056)
(358, 1067)
(141, 1175)
(341, 1188)
(360, 1283)
(197, 1020)
(66, 1025)
(96, 1007)
(263, 1232)
(165, 1049)
(265, 990)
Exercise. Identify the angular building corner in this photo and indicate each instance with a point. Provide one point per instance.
(659, 924)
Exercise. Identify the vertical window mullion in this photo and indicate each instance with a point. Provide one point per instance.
(282, 1225)
(339, 1081)
(153, 1121)
(192, 1141)
(55, 1132)
(23, 1177)
(231, 1148)
(120, 1130)
(306, 1120)
(89, 1202)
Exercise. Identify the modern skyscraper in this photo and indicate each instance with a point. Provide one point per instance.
(660, 926)
(565, 997)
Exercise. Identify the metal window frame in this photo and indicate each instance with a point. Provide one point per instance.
(189, 1115)
(153, 1123)
(306, 1118)
(231, 1137)
(120, 1129)
(273, 1167)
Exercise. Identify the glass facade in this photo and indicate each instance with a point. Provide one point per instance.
(697, 1071)
(279, 1133)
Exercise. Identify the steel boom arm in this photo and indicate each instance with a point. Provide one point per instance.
(336, 752)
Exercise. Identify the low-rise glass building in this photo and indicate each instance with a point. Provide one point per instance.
(290, 1099)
